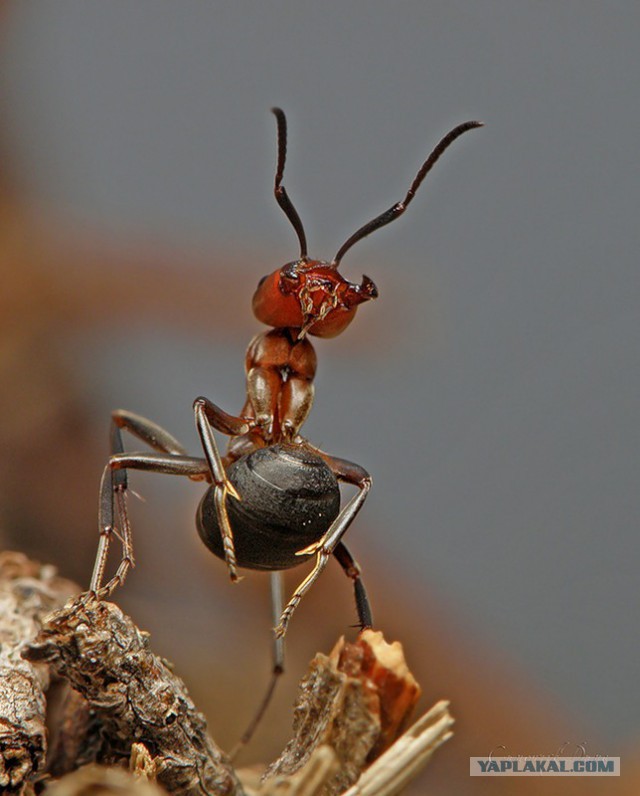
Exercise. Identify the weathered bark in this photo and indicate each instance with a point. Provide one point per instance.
(136, 697)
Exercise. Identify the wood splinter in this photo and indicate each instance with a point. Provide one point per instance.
(357, 701)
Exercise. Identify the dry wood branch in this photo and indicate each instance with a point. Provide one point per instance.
(28, 591)
(357, 700)
(106, 658)
(128, 708)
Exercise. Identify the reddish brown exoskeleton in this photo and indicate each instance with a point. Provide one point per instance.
(273, 500)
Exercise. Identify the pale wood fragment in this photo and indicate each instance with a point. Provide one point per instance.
(395, 769)
(307, 781)
(94, 780)
(142, 764)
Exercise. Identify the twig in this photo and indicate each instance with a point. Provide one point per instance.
(407, 756)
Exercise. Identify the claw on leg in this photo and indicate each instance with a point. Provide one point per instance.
(298, 594)
(227, 532)
(230, 489)
(308, 551)
(281, 627)
(88, 596)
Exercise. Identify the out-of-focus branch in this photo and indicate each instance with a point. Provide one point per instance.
(28, 591)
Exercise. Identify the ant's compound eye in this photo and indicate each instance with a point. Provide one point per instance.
(261, 282)
(289, 272)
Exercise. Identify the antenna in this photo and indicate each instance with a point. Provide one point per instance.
(398, 209)
(282, 198)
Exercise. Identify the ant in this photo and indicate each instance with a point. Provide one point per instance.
(273, 500)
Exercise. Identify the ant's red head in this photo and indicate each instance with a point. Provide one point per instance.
(311, 295)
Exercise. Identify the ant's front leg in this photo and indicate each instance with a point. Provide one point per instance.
(209, 416)
(113, 519)
(350, 473)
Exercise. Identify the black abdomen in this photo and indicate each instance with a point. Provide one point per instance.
(290, 497)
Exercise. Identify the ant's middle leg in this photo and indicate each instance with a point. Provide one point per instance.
(113, 517)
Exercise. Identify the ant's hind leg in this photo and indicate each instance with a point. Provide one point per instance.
(209, 416)
(353, 571)
(350, 473)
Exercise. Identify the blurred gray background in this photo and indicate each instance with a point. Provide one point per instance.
(492, 390)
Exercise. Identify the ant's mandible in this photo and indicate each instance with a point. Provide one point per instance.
(273, 500)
